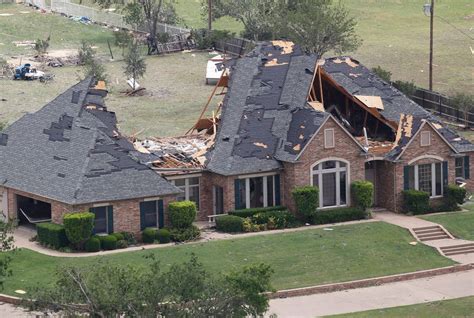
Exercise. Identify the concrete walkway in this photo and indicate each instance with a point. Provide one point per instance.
(411, 292)
(23, 235)
(411, 223)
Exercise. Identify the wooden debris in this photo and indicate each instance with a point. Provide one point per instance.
(274, 62)
(371, 101)
(259, 144)
(317, 106)
(351, 62)
(297, 147)
(287, 46)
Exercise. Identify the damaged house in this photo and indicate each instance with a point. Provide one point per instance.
(286, 120)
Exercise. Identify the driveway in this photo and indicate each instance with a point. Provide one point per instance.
(411, 292)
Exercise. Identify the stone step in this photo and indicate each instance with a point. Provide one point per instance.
(429, 231)
(466, 250)
(426, 227)
(434, 237)
(432, 234)
(456, 247)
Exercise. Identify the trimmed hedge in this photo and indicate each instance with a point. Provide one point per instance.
(92, 244)
(149, 235)
(454, 196)
(52, 234)
(229, 223)
(79, 227)
(163, 236)
(183, 235)
(338, 215)
(122, 244)
(362, 193)
(182, 214)
(417, 202)
(306, 200)
(108, 242)
(245, 213)
(118, 236)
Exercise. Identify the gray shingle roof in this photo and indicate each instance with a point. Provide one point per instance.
(259, 109)
(75, 155)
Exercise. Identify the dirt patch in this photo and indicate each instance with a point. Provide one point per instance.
(469, 17)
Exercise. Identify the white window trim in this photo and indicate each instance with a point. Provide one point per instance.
(433, 180)
(265, 189)
(423, 134)
(337, 170)
(256, 175)
(187, 187)
(425, 157)
(106, 218)
(326, 132)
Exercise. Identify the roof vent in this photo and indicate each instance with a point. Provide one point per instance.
(75, 97)
(3, 139)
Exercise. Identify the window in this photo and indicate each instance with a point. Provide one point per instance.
(257, 192)
(190, 186)
(218, 196)
(462, 167)
(331, 179)
(151, 214)
(425, 139)
(329, 138)
(103, 222)
(427, 178)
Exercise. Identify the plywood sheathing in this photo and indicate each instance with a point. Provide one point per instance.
(317, 106)
(100, 85)
(347, 60)
(437, 126)
(405, 127)
(371, 101)
(273, 62)
(376, 147)
(287, 46)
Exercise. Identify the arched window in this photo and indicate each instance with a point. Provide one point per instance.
(331, 177)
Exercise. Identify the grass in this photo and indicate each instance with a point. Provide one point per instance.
(453, 308)
(460, 224)
(299, 259)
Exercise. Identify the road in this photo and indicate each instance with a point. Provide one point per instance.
(411, 292)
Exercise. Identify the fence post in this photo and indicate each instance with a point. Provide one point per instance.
(439, 105)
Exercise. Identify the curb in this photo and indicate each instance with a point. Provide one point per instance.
(10, 299)
(329, 288)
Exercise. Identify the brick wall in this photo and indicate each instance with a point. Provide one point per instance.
(208, 180)
(299, 174)
(470, 181)
(437, 148)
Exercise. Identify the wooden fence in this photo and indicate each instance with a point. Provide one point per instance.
(441, 105)
(236, 46)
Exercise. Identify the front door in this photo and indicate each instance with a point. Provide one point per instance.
(370, 175)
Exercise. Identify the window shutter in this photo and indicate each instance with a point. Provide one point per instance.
(161, 214)
(277, 190)
(445, 173)
(237, 194)
(110, 219)
(406, 177)
(466, 167)
(142, 217)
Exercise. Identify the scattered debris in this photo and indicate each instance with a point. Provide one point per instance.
(27, 43)
(413, 243)
(6, 14)
(328, 229)
(20, 291)
(81, 19)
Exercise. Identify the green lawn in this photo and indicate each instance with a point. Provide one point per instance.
(453, 308)
(460, 224)
(299, 259)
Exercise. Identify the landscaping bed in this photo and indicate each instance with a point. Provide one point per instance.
(301, 258)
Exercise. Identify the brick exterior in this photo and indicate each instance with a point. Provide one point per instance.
(126, 212)
(208, 181)
(299, 174)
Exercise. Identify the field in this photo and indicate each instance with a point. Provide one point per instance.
(299, 259)
(453, 308)
(460, 224)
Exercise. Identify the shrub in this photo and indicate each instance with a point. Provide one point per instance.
(454, 196)
(207, 40)
(92, 244)
(338, 215)
(245, 213)
(163, 235)
(149, 235)
(229, 223)
(274, 219)
(183, 235)
(306, 200)
(79, 227)
(52, 234)
(108, 242)
(416, 201)
(118, 236)
(407, 88)
(130, 238)
(382, 73)
(122, 244)
(362, 192)
(182, 214)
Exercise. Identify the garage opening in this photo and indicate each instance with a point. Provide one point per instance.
(31, 211)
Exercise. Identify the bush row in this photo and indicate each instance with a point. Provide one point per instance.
(418, 202)
(245, 213)
(269, 219)
(52, 235)
(339, 215)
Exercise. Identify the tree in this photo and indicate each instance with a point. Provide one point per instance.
(318, 26)
(147, 13)
(257, 16)
(382, 73)
(88, 60)
(185, 290)
(41, 46)
(135, 64)
(6, 245)
(465, 103)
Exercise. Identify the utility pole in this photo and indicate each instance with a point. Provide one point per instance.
(209, 12)
(431, 44)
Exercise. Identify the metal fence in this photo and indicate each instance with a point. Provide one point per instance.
(99, 16)
(441, 105)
